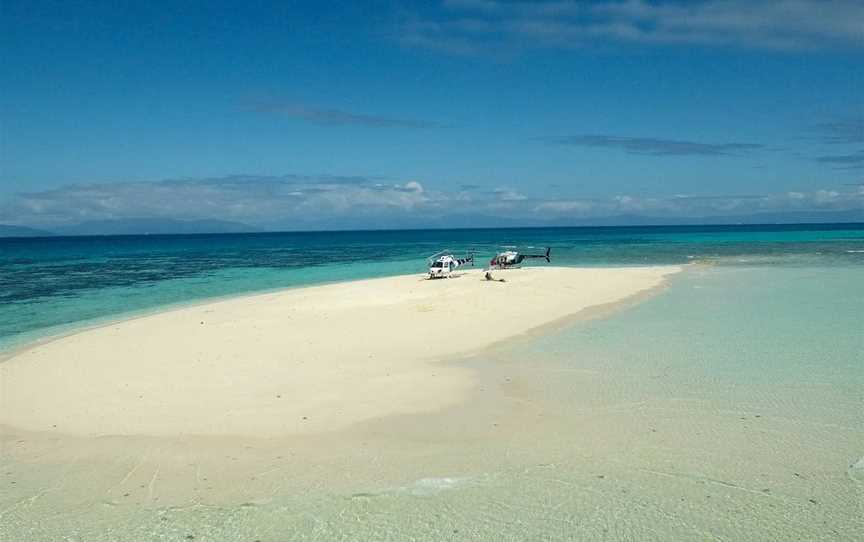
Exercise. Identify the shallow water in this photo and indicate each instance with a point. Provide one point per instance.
(729, 406)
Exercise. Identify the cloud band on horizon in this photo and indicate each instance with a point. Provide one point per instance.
(298, 201)
(481, 27)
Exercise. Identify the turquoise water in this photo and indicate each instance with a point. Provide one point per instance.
(729, 406)
(53, 284)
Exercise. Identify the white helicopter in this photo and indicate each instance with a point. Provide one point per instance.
(442, 264)
(510, 259)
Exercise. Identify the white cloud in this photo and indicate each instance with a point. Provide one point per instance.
(252, 199)
(565, 206)
(509, 194)
(298, 201)
(413, 186)
(472, 26)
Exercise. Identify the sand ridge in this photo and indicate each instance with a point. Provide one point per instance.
(298, 361)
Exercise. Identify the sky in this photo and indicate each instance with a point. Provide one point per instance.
(295, 114)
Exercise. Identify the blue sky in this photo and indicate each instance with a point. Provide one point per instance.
(266, 112)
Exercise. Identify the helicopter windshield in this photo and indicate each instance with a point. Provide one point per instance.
(437, 264)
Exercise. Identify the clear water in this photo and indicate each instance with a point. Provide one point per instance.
(728, 407)
(52, 284)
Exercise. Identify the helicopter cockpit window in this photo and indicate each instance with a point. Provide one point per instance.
(437, 264)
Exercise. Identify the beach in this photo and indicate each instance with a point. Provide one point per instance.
(306, 360)
(661, 402)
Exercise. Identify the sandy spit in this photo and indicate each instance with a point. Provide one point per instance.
(305, 360)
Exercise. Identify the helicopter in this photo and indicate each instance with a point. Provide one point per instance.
(511, 258)
(442, 264)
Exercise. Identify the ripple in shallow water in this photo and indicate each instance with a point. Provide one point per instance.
(856, 470)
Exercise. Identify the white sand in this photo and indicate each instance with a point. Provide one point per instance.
(298, 361)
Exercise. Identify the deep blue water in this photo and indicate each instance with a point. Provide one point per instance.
(52, 284)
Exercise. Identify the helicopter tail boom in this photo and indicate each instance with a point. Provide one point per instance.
(544, 256)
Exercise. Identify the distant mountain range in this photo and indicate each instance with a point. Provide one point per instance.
(21, 231)
(154, 226)
(164, 226)
(458, 221)
(132, 226)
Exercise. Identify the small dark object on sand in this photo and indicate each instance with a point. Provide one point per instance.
(489, 277)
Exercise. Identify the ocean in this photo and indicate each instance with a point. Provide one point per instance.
(728, 406)
(53, 285)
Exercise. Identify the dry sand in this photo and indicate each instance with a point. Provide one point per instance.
(299, 361)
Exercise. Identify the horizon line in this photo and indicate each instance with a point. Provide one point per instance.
(854, 224)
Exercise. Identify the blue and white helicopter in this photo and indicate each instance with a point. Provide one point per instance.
(442, 264)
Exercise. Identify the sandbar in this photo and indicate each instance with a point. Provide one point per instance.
(297, 361)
